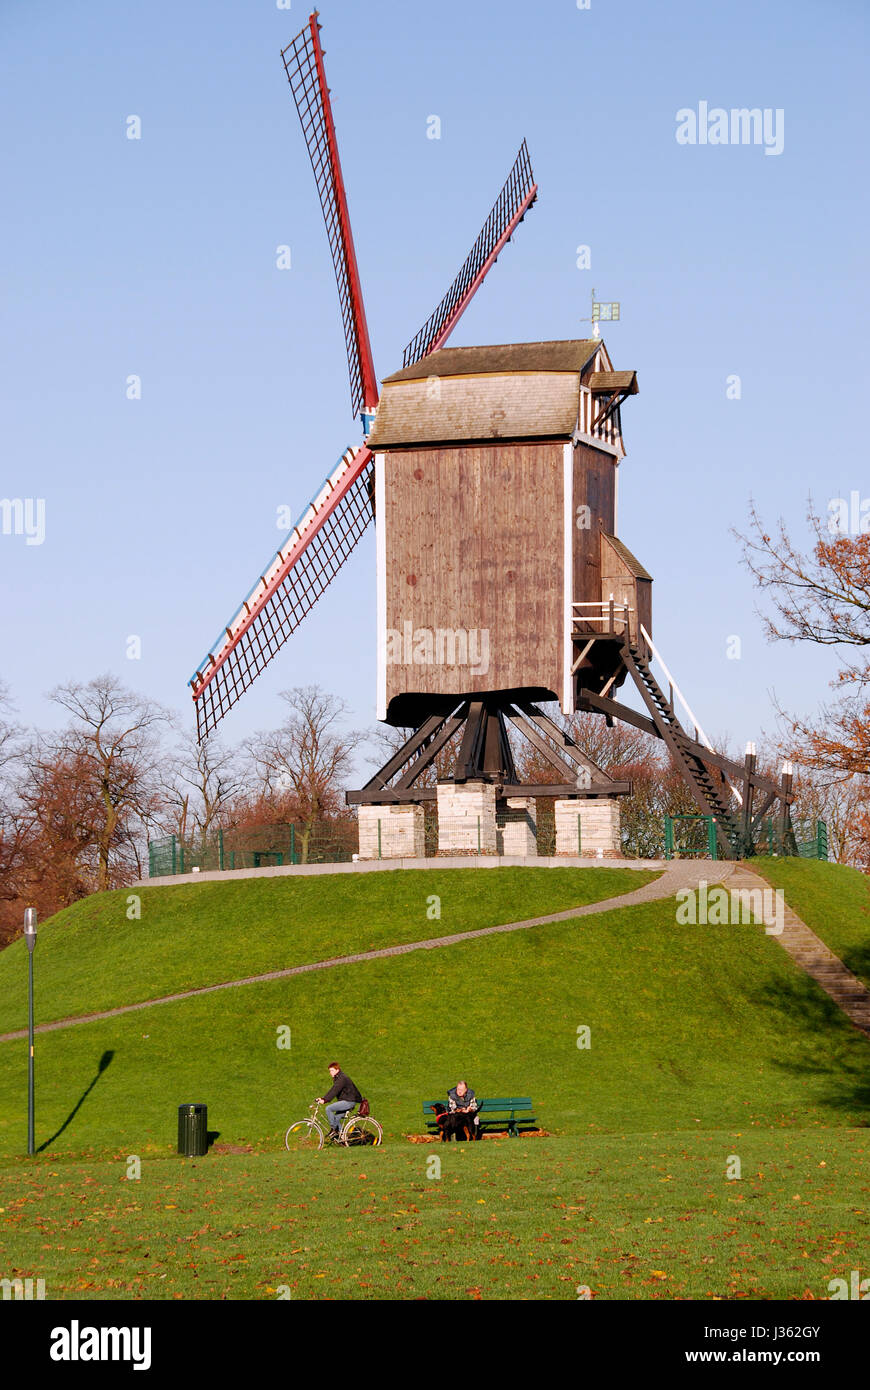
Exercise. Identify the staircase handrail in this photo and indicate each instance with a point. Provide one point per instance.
(700, 736)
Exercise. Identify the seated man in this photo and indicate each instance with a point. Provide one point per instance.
(461, 1101)
(344, 1096)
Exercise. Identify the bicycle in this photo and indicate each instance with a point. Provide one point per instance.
(311, 1133)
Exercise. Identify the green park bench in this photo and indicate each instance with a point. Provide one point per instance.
(512, 1113)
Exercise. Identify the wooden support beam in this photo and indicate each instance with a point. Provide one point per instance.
(563, 739)
(597, 704)
(387, 796)
(428, 754)
(539, 743)
(468, 757)
(583, 655)
(765, 807)
(407, 751)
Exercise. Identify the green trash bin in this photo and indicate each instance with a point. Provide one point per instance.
(193, 1130)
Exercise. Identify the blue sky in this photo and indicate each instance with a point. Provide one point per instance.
(156, 257)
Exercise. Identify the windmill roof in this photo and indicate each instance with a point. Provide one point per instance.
(505, 405)
(501, 359)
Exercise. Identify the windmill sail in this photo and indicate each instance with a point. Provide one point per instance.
(290, 585)
(512, 204)
(303, 63)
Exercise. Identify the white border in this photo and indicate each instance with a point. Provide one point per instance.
(568, 574)
(381, 563)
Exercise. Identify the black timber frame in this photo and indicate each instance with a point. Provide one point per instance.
(484, 754)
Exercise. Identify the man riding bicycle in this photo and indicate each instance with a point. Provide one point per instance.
(343, 1096)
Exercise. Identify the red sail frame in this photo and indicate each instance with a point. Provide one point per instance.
(313, 553)
(303, 64)
(333, 524)
(508, 211)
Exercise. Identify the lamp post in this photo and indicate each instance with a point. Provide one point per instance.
(30, 938)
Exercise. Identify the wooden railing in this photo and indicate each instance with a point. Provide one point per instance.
(591, 406)
(610, 616)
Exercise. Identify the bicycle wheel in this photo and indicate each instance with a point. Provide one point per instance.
(363, 1130)
(303, 1134)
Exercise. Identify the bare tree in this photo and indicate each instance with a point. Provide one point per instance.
(113, 739)
(203, 783)
(15, 828)
(11, 732)
(308, 758)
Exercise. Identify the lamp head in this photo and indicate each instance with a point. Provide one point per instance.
(30, 927)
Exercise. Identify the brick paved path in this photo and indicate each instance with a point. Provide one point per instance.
(818, 960)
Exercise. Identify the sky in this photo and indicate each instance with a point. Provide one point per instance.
(157, 258)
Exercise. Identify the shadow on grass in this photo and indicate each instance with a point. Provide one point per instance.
(211, 1137)
(836, 1059)
(104, 1062)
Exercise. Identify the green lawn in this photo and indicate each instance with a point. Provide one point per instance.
(706, 1042)
(690, 1026)
(832, 899)
(92, 957)
(650, 1216)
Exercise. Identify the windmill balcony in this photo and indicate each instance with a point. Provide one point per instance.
(611, 620)
(599, 632)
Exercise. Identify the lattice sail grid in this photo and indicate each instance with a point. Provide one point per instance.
(304, 68)
(313, 554)
(511, 205)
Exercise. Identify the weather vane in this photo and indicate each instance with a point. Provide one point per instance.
(602, 313)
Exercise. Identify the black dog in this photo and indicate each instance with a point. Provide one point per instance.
(452, 1125)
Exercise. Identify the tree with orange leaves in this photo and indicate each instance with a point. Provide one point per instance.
(821, 596)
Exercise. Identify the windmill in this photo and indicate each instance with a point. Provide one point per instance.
(491, 475)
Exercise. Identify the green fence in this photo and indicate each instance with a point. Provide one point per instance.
(695, 837)
(690, 837)
(255, 847)
(337, 842)
(811, 838)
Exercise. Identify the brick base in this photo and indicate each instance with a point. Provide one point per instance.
(466, 818)
(517, 828)
(402, 834)
(599, 827)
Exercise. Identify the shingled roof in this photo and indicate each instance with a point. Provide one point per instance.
(635, 568)
(502, 405)
(570, 355)
(613, 381)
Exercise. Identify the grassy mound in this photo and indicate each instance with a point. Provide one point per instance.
(710, 1027)
(92, 956)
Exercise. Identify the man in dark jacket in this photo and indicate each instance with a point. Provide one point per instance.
(343, 1095)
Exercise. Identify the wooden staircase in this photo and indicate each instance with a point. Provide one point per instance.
(712, 799)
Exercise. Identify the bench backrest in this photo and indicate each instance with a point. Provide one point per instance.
(496, 1103)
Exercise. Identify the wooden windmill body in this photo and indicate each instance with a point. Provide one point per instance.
(502, 585)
